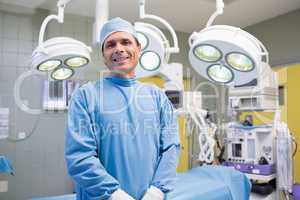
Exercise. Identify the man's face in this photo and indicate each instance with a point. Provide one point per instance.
(121, 53)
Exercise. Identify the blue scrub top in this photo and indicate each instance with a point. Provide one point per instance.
(121, 134)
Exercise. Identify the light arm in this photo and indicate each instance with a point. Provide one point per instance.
(59, 17)
(219, 11)
(62, 3)
(143, 15)
(101, 16)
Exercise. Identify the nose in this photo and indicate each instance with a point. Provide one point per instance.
(119, 48)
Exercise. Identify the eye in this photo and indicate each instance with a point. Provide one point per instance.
(109, 45)
(126, 42)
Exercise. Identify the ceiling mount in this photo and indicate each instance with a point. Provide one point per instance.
(226, 2)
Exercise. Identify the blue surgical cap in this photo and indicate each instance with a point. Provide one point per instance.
(116, 25)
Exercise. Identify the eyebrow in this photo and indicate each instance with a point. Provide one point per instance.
(122, 39)
(135, 39)
(108, 42)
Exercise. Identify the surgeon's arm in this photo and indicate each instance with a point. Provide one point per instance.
(169, 148)
(81, 155)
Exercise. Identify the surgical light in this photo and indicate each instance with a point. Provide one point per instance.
(76, 61)
(219, 73)
(59, 54)
(226, 54)
(49, 65)
(62, 73)
(207, 53)
(143, 40)
(150, 60)
(240, 61)
(155, 46)
(60, 51)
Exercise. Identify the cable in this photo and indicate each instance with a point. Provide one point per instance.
(30, 133)
(222, 151)
(286, 195)
(296, 145)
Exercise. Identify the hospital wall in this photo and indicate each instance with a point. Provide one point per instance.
(293, 111)
(38, 160)
(281, 37)
(290, 75)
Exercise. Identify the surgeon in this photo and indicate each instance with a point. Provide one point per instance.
(121, 140)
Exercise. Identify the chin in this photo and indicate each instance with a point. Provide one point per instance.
(123, 69)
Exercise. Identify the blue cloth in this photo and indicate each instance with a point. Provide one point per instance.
(203, 183)
(121, 134)
(211, 183)
(61, 197)
(5, 165)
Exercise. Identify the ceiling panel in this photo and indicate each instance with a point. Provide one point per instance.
(185, 16)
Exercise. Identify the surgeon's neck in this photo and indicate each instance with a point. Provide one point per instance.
(125, 75)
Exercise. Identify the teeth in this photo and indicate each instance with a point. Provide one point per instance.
(120, 59)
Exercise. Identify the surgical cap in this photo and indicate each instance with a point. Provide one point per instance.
(116, 25)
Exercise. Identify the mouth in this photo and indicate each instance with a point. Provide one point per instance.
(120, 59)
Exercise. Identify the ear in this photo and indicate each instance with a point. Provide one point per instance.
(104, 59)
(139, 48)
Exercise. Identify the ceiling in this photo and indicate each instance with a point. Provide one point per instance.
(186, 16)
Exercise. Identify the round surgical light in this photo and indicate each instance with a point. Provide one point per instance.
(207, 53)
(76, 61)
(60, 50)
(239, 52)
(155, 50)
(49, 65)
(240, 61)
(143, 40)
(62, 73)
(219, 73)
(150, 60)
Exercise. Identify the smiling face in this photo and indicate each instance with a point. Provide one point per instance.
(121, 54)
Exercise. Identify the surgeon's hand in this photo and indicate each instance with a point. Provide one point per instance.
(153, 193)
(120, 195)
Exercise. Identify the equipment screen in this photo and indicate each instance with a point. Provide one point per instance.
(237, 150)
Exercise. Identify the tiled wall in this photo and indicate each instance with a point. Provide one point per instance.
(38, 160)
